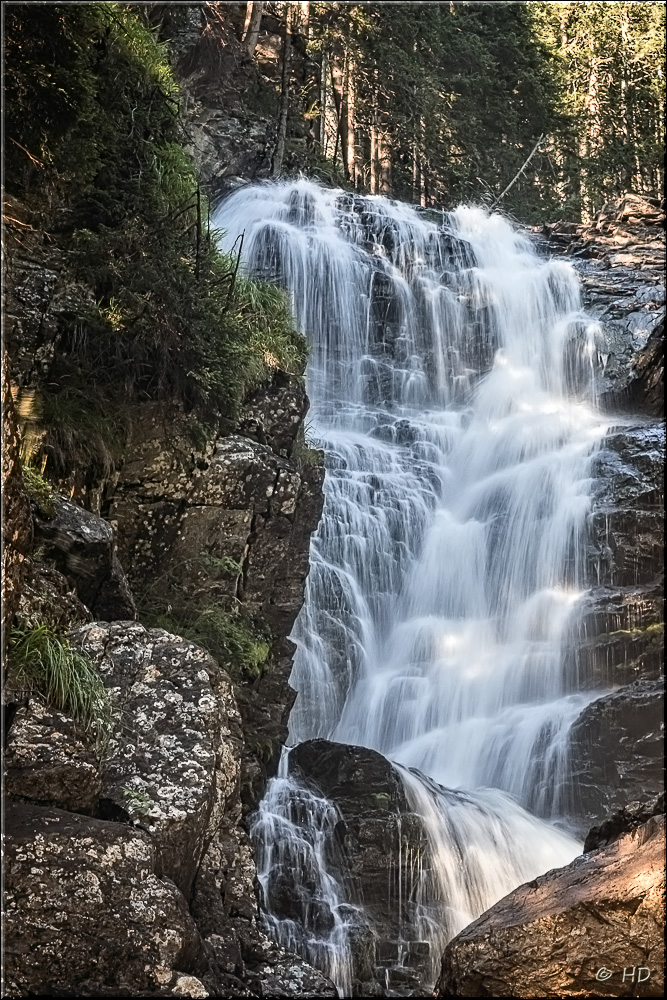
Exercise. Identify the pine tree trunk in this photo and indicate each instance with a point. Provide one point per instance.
(253, 22)
(337, 87)
(384, 158)
(591, 140)
(279, 152)
(324, 77)
(374, 138)
(345, 119)
(352, 158)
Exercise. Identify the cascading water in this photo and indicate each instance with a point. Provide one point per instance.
(450, 380)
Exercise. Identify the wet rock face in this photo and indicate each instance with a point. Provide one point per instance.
(572, 932)
(617, 749)
(626, 525)
(621, 632)
(624, 821)
(83, 547)
(616, 745)
(620, 260)
(377, 839)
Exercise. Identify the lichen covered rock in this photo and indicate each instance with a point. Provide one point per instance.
(173, 760)
(84, 905)
(16, 520)
(226, 523)
(49, 760)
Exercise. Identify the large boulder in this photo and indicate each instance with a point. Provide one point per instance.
(83, 547)
(173, 761)
(84, 904)
(159, 882)
(372, 853)
(591, 929)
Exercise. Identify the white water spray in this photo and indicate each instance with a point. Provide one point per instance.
(450, 380)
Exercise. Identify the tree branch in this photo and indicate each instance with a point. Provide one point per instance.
(519, 172)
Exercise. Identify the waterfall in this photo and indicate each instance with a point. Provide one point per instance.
(452, 391)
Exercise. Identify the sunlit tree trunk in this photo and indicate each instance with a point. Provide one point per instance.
(324, 78)
(254, 13)
(279, 152)
(591, 139)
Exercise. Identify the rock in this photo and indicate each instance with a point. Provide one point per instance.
(620, 635)
(42, 301)
(376, 839)
(274, 416)
(48, 760)
(173, 762)
(626, 819)
(616, 743)
(85, 905)
(626, 525)
(573, 932)
(83, 547)
(156, 895)
(47, 595)
(616, 749)
(291, 977)
(16, 519)
(226, 522)
(620, 260)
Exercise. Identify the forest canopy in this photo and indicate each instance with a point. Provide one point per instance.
(444, 102)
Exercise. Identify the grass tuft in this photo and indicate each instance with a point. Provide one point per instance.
(43, 662)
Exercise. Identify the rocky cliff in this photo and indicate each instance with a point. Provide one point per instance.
(616, 744)
(129, 869)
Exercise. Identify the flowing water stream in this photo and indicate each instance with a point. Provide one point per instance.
(451, 387)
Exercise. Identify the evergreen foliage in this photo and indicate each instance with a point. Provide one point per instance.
(443, 102)
(40, 491)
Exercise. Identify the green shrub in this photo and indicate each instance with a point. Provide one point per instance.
(82, 431)
(40, 491)
(45, 663)
(231, 637)
(95, 98)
